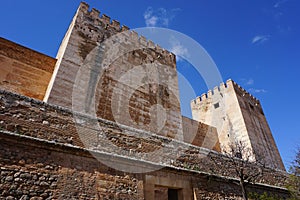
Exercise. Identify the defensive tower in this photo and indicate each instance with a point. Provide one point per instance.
(149, 97)
(238, 116)
(47, 153)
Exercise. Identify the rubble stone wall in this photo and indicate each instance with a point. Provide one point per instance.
(42, 139)
(34, 169)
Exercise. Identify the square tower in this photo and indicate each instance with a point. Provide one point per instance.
(238, 116)
(111, 72)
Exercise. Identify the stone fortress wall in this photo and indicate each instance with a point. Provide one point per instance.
(23, 70)
(43, 156)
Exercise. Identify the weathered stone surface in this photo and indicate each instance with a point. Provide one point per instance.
(238, 115)
(95, 180)
(23, 70)
(27, 165)
(50, 152)
(200, 134)
(123, 76)
(61, 127)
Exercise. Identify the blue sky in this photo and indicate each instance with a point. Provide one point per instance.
(256, 43)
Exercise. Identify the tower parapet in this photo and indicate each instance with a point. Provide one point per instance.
(112, 27)
(247, 95)
(222, 87)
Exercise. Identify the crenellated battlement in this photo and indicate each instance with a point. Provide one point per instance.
(210, 93)
(114, 27)
(104, 20)
(223, 86)
(241, 91)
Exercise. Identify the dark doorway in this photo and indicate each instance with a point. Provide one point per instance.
(172, 194)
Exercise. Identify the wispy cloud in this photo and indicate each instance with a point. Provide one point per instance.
(159, 17)
(279, 3)
(259, 39)
(247, 82)
(178, 49)
(255, 90)
(278, 13)
(250, 83)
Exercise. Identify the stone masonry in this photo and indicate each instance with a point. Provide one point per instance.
(43, 157)
(238, 115)
(23, 70)
(110, 127)
(87, 53)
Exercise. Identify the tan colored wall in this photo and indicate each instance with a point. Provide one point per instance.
(200, 134)
(41, 152)
(84, 51)
(34, 170)
(23, 70)
(41, 170)
(29, 118)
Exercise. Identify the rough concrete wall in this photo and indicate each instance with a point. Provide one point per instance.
(258, 129)
(238, 116)
(200, 134)
(86, 50)
(23, 70)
